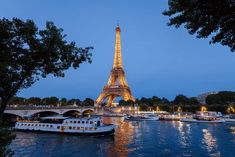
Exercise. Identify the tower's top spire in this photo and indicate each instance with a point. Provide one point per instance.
(118, 53)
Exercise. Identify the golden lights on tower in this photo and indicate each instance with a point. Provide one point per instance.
(117, 85)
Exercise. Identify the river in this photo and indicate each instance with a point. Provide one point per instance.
(133, 139)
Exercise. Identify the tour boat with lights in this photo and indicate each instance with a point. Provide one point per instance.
(228, 118)
(142, 117)
(60, 124)
(205, 117)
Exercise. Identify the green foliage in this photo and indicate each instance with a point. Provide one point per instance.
(126, 103)
(88, 102)
(222, 98)
(50, 101)
(63, 101)
(205, 18)
(183, 100)
(17, 100)
(27, 54)
(34, 101)
(6, 136)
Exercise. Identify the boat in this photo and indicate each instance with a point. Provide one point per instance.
(228, 118)
(204, 117)
(114, 115)
(142, 117)
(60, 124)
(176, 116)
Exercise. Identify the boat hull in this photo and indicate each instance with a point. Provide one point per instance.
(63, 129)
(202, 121)
(141, 119)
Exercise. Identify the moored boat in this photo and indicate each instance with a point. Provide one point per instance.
(204, 117)
(228, 118)
(60, 124)
(176, 116)
(145, 117)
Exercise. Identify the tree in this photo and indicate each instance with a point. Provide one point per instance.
(51, 101)
(193, 101)
(205, 18)
(221, 98)
(17, 101)
(34, 101)
(27, 54)
(88, 102)
(180, 99)
(63, 101)
(74, 101)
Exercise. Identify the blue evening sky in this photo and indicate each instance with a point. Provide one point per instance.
(158, 60)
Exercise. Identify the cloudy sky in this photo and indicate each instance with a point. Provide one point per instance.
(158, 60)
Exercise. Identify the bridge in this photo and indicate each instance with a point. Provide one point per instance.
(27, 111)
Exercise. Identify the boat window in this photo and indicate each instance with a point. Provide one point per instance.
(82, 122)
(78, 122)
(58, 127)
(71, 121)
(43, 125)
(98, 123)
(47, 125)
(78, 128)
(36, 125)
(39, 124)
(75, 122)
(87, 122)
(51, 126)
(28, 124)
(91, 122)
(31, 124)
(70, 127)
(74, 128)
(21, 124)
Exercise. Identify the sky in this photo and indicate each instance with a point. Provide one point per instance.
(158, 60)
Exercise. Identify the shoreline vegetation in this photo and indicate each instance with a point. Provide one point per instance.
(223, 101)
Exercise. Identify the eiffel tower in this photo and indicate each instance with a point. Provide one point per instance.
(117, 85)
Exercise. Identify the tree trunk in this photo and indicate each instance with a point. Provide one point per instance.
(3, 105)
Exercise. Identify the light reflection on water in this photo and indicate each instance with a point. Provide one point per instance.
(210, 143)
(145, 138)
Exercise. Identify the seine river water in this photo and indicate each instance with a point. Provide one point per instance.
(134, 139)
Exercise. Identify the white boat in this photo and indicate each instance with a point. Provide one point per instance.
(114, 114)
(60, 124)
(204, 117)
(228, 118)
(145, 117)
(176, 116)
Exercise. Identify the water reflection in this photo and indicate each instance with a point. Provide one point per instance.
(210, 143)
(152, 138)
(233, 129)
(184, 130)
(123, 136)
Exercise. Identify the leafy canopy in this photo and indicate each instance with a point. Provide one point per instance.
(205, 18)
(27, 54)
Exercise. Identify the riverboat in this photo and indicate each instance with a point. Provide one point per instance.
(60, 124)
(142, 117)
(176, 116)
(228, 118)
(205, 117)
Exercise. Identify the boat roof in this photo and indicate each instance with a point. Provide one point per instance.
(83, 118)
(55, 117)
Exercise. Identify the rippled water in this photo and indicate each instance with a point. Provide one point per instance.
(134, 139)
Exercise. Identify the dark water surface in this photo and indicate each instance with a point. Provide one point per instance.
(134, 139)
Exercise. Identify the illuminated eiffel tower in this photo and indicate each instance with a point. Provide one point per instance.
(117, 85)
